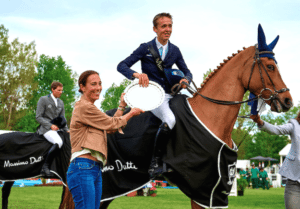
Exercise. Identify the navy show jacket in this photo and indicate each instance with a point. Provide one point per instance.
(149, 67)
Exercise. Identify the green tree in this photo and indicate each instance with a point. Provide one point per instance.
(206, 74)
(242, 128)
(50, 69)
(265, 144)
(113, 94)
(17, 68)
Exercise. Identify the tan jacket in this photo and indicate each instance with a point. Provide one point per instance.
(88, 127)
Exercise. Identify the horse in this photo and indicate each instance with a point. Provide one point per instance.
(217, 102)
(22, 156)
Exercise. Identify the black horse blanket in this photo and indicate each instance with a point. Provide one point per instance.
(22, 156)
(203, 165)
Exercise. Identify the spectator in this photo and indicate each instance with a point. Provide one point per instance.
(291, 165)
(254, 177)
(263, 177)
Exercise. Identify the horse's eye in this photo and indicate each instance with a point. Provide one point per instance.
(271, 67)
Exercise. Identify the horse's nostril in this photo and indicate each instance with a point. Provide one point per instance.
(288, 103)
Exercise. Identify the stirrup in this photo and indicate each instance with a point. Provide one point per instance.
(45, 171)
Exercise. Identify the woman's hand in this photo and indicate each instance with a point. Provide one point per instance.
(133, 112)
(122, 101)
(256, 119)
(136, 111)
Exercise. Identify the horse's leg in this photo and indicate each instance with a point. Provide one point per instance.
(195, 205)
(5, 193)
(104, 205)
(66, 199)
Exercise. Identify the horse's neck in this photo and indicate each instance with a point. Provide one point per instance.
(226, 85)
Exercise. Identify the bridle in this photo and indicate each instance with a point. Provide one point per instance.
(223, 102)
(259, 63)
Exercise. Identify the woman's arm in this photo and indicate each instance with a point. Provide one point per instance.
(92, 116)
(121, 107)
(272, 129)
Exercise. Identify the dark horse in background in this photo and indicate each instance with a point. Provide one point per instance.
(22, 156)
(252, 69)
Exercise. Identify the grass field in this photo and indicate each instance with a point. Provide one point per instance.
(49, 198)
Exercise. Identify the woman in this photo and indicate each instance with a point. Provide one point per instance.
(89, 143)
(291, 165)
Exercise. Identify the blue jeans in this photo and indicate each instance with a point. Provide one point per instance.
(292, 194)
(84, 178)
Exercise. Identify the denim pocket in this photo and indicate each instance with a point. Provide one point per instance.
(83, 165)
(70, 169)
(69, 172)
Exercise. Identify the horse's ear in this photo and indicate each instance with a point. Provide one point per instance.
(273, 44)
(262, 45)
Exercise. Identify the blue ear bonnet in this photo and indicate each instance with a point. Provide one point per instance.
(262, 45)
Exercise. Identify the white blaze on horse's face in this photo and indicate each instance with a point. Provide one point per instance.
(277, 67)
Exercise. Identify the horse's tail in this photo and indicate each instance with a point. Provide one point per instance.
(66, 199)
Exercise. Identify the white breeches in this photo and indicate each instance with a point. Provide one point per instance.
(53, 137)
(164, 113)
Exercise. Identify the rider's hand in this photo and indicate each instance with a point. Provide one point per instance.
(54, 128)
(143, 79)
(182, 85)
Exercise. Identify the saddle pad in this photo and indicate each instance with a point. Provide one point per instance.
(22, 155)
(204, 166)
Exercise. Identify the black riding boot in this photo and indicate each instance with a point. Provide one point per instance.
(49, 158)
(161, 140)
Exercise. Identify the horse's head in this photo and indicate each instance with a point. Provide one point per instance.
(264, 78)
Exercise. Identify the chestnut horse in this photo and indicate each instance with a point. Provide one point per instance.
(249, 70)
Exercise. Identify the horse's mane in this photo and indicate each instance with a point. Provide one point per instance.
(218, 68)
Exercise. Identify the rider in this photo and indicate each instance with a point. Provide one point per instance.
(170, 54)
(50, 107)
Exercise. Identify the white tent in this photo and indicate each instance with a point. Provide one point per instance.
(243, 164)
(284, 152)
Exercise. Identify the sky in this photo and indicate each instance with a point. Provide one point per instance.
(99, 34)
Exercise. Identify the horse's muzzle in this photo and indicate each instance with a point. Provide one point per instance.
(279, 105)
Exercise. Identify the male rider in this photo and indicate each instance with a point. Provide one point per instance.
(50, 107)
(170, 54)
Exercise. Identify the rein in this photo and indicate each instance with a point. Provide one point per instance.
(223, 102)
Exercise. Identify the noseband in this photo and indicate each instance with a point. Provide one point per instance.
(259, 62)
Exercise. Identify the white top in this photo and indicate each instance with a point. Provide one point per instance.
(165, 48)
(54, 99)
(99, 156)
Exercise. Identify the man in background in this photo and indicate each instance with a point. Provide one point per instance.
(49, 108)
